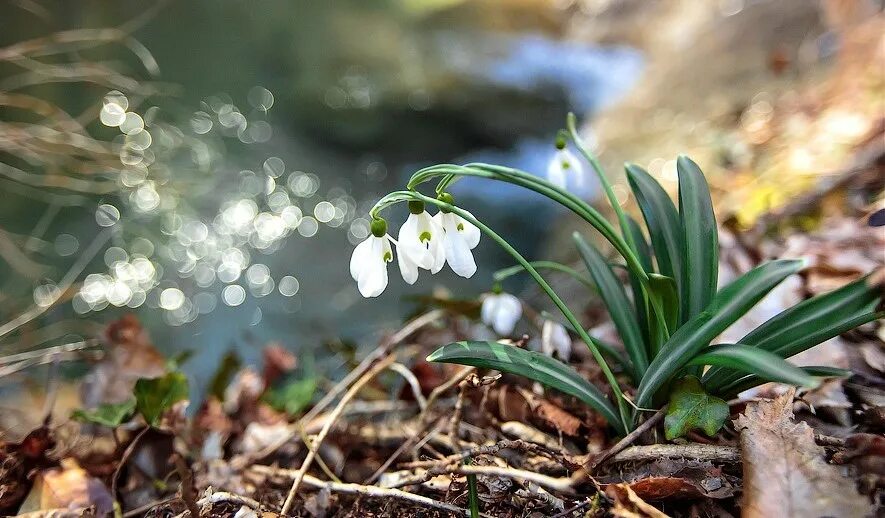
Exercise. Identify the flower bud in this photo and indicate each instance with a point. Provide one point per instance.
(379, 227)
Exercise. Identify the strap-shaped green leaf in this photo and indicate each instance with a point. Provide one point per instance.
(752, 360)
(531, 365)
(732, 302)
(662, 221)
(700, 258)
(752, 380)
(640, 304)
(615, 298)
(809, 323)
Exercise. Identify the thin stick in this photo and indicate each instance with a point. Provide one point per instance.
(357, 489)
(440, 390)
(493, 449)
(245, 460)
(557, 484)
(696, 451)
(147, 507)
(188, 494)
(395, 339)
(410, 378)
(126, 454)
(330, 421)
(627, 440)
(408, 443)
(63, 286)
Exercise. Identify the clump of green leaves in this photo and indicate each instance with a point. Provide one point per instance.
(152, 398)
(671, 311)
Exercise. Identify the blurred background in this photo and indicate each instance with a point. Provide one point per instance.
(208, 165)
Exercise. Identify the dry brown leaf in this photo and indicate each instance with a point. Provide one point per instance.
(68, 487)
(628, 505)
(666, 479)
(130, 356)
(552, 414)
(785, 473)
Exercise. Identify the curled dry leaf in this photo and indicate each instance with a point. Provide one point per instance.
(666, 479)
(130, 357)
(785, 473)
(629, 505)
(68, 487)
(552, 414)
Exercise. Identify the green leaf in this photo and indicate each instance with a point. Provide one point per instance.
(154, 396)
(229, 366)
(731, 303)
(107, 414)
(662, 222)
(664, 289)
(640, 304)
(752, 360)
(292, 397)
(691, 407)
(748, 382)
(531, 365)
(809, 323)
(612, 293)
(700, 259)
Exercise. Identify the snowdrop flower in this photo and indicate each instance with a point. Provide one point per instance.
(368, 264)
(420, 243)
(565, 169)
(459, 239)
(555, 339)
(501, 311)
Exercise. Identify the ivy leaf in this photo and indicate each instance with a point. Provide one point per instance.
(111, 415)
(691, 407)
(292, 397)
(153, 396)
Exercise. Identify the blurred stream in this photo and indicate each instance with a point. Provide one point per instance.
(324, 107)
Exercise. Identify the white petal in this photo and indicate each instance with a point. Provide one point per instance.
(470, 232)
(487, 311)
(555, 172)
(458, 254)
(373, 281)
(410, 243)
(506, 317)
(360, 257)
(372, 277)
(407, 266)
(437, 252)
(555, 338)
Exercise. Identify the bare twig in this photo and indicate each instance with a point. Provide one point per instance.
(493, 449)
(408, 443)
(330, 421)
(63, 286)
(410, 378)
(440, 390)
(48, 351)
(357, 489)
(627, 440)
(188, 494)
(407, 330)
(557, 484)
(125, 458)
(223, 496)
(695, 451)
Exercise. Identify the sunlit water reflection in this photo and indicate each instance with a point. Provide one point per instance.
(234, 224)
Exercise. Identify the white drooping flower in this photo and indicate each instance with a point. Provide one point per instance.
(368, 264)
(501, 311)
(566, 171)
(459, 239)
(555, 339)
(420, 244)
